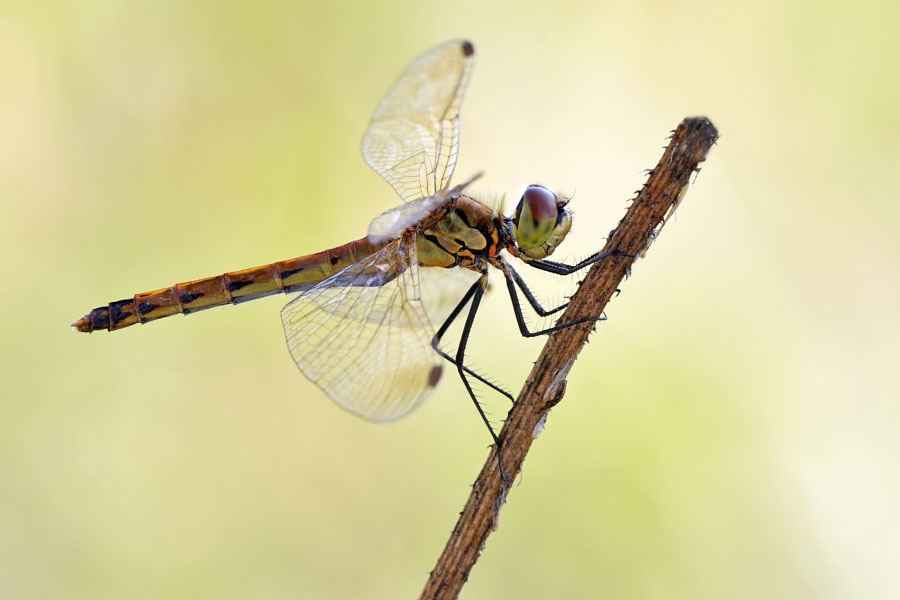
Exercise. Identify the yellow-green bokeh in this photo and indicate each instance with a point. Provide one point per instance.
(730, 432)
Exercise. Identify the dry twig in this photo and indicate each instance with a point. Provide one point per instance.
(546, 383)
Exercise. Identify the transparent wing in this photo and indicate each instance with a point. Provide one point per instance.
(364, 337)
(393, 222)
(442, 289)
(425, 211)
(413, 139)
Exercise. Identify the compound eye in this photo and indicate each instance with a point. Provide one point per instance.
(540, 203)
(536, 217)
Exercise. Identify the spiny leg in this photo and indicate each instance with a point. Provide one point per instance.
(460, 357)
(564, 269)
(520, 319)
(530, 297)
(436, 340)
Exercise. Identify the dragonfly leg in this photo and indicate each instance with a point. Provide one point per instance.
(475, 292)
(435, 342)
(520, 319)
(564, 269)
(528, 295)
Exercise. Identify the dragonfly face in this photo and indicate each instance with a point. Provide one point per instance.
(541, 221)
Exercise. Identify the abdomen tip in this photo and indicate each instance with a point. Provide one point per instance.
(83, 324)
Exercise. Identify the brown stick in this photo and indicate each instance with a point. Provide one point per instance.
(546, 384)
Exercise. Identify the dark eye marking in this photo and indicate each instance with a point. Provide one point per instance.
(541, 202)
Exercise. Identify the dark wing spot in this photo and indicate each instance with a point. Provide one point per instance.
(188, 298)
(467, 48)
(288, 272)
(434, 376)
(234, 286)
(146, 307)
(334, 260)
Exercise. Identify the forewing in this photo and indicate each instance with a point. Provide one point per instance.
(413, 139)
(423, 212)
(364, 337)
(392, 223)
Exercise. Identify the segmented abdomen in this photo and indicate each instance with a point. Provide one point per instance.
(293, 275)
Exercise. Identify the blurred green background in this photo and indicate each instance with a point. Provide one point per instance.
(731, 432)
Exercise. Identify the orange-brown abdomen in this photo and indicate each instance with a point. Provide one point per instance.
(293, 275)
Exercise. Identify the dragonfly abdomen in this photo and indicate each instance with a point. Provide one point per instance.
(295, 275)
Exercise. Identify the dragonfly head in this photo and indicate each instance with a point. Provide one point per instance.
(541, 221)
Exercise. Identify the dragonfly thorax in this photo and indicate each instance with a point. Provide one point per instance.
(467, 235)
(541, 221)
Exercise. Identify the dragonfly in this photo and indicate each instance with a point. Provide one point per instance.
(370, 316)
